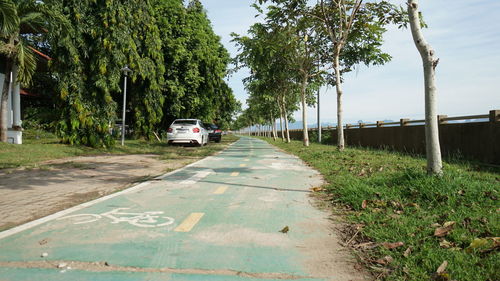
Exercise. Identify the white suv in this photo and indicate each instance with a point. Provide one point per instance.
(187, 131)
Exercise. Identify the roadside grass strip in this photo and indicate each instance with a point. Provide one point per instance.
(43, 146)
(405, 225)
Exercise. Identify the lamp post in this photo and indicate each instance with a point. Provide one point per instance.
(126, 72)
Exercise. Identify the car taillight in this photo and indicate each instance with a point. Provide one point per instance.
(218, 131)
(170, 130)
(196, 130)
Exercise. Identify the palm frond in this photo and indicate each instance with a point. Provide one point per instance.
(9, 20)
(26, 61)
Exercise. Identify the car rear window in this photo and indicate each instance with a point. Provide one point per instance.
(185, 122)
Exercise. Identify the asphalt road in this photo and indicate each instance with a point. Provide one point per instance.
(217, 219)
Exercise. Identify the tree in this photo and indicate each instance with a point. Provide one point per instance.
(105, 36)
(20, 18)
(303, 45)
(196, 65)
(433, 150)
(268, 53)
(355, 32)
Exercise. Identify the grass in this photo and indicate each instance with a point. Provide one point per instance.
(47, 147)
(389, 198)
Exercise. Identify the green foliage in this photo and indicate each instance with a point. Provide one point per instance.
(104, 36)
(196, 65)
(357, 34)
(403, 204)
(178, 67)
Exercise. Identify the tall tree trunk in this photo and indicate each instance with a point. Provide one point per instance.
(338, 86)
(272, 127)
(275, 130)
(281, 121)
(285, 114)
(3, 101)
(304, 111)
(432, 147)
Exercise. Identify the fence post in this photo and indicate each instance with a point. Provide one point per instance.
(403, 122)
(441, 119)
(494, 116)
(361, 125)
(348, 126)
(380, 124)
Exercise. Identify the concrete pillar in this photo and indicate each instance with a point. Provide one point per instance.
(16, 102)
(494, 116)
(9, 100)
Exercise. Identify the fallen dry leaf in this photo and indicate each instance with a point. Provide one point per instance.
(396, 204)
(484, 244)
(285, 229)
(316, 189)
(415, 205)
(362, 173)
(449, 223)
(363, 204)
(407, 252)
(43, 241)
(442, 267)
(385, 260)
(445, 244)
(443, 231)
(381, 169)
(392, 245)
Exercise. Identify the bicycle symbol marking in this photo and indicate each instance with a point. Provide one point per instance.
(145, 219)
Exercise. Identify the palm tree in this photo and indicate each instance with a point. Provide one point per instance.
(18, 19)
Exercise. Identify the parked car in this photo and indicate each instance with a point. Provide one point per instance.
(187, 131)
(214, 133)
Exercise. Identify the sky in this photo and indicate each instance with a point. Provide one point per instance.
(465, 35)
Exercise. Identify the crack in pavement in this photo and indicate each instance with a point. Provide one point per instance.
(105, 267)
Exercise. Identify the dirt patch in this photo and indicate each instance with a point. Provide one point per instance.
(28, 194)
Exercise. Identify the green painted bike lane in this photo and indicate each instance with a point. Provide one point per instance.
(240, 199)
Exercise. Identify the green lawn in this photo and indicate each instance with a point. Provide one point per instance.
(388, 198)
(47, 147)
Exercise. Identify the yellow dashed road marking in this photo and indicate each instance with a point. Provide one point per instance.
(221, 189)
(189, 222)
(235, 174)
(243, 165)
